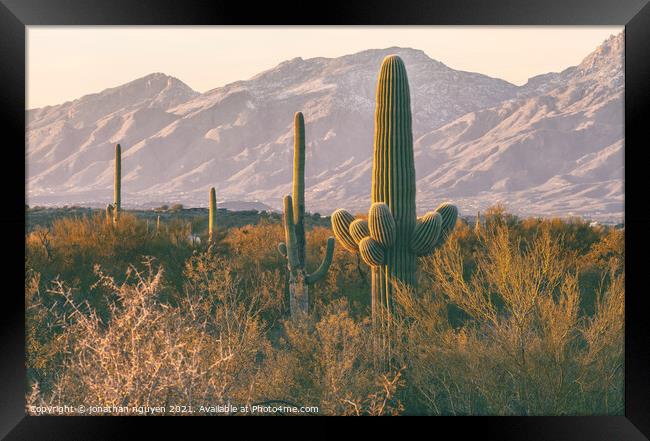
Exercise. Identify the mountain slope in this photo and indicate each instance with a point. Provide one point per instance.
(559, 152)
(478, 139)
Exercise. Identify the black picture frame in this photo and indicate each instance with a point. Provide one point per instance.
(15, 15)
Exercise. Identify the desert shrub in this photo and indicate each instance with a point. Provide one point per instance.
(212, 347)
(256, 247)
(207, 275)
(348, 276)
(71, 247)
(513, 317)
(497, 214)
(605, 258)
(577, 235)
(327, 361)
(524, 347)
(148, 353)
(43, 345)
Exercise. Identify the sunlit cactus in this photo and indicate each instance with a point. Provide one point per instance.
(393, 237)
(212, 217)
(359, 229)
(426, 234)
(293, 249)
(341, 223)
(117, 184)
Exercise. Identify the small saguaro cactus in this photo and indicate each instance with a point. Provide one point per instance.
(293, 249)
(393, 237)
(109, 213)
(117, 185)
(212, 217)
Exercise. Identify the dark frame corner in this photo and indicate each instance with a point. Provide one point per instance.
(15, 15)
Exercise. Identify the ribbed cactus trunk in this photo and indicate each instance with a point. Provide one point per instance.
(298, 288)
(212, 217)
(299, 185)
(393, 237)
(117, 185)
(393, 180)
(293, 249)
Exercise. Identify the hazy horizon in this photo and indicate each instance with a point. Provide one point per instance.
(85, 60)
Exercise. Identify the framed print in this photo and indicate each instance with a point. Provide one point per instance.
(425, 210)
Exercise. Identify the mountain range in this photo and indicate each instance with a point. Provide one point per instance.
(551, 147)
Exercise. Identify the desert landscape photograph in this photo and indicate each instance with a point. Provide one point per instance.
(352, 220)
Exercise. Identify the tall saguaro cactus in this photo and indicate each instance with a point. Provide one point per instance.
(393, 237)
(117, 184)
(212, 217)
(293, 249)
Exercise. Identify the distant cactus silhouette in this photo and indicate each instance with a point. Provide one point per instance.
(212, 217)
(393, 236)
(117, 185)
(109, 214)
(293, 249)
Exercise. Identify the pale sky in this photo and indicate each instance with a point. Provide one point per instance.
(65, 63)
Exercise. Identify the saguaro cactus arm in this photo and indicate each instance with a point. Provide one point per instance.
(321, 271)
(381, 224)
(372, 252)
(341, 221)
(432, 229)
(359, 230)
(426, 234)
(282, 249)
(289, 248)
(449, 214)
